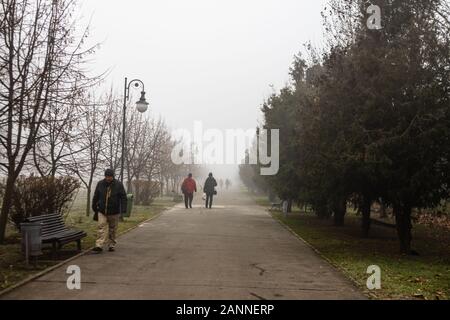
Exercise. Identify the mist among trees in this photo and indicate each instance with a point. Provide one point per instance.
(367, 118)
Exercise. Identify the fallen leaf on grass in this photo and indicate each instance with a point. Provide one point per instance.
(418, 280)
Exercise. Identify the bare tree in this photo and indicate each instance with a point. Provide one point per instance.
(55, 149)
(113, 135)
(136, 152)
(91, 142)
(38, 52)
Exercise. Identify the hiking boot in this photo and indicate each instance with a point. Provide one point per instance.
(111, 249)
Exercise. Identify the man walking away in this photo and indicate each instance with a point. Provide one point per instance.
(110, 201)
(210, 190)
(188, 188)
(228, 184)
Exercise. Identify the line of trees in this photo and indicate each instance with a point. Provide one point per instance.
(53, 123)
(41, 71)
(367, 119)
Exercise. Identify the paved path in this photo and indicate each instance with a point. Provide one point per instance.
(236, 251)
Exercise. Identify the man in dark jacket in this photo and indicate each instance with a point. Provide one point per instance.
(110, 201)
(210, 190)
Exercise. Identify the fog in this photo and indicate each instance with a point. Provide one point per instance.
(202, 60)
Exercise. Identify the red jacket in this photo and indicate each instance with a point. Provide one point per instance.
(189, 186)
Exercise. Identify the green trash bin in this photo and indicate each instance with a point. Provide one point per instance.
(130, 199)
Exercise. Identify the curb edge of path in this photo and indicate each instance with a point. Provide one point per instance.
(352, 280)
(81, 254)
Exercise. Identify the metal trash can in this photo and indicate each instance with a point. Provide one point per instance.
(130, 199)
(31, 240)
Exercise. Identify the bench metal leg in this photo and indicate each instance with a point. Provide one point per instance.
(54, 251)
(59, 249)
(79, 245)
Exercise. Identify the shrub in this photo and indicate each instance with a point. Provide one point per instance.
(35, 196)
(146, 192)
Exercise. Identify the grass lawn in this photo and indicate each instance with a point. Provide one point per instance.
(12, 265)
(403, 277)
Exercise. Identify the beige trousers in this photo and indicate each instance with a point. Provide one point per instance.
(107, 230)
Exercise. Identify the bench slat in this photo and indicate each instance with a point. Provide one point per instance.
(54, 230)
(53, 226)
(53, 223)
(47, 217)
(64, 235)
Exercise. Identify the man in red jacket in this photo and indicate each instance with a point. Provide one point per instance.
(188, 188)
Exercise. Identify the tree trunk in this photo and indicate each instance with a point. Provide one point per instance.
(53, 170)
(137, 190)
(89, 192)
(289, 206)
(404, 226)
(167, 186)
(366, 221)
(88, 201)
(339, 213)
(383, 213)
(6, 207)
(322, 212)
(129, 186)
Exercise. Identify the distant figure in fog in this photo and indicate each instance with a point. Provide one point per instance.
(221, 184)
(210, 190)
(189, 187)
(228, 184)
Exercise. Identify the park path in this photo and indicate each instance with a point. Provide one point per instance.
(235, 251)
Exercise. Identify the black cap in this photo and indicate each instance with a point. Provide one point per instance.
(109, 173)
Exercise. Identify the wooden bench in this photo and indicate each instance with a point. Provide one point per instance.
(55, 232)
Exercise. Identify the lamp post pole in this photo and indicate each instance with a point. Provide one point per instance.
(142, 107)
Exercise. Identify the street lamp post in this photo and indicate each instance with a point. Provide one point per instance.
(141, 106)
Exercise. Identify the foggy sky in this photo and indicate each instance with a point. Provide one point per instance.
(206, 60)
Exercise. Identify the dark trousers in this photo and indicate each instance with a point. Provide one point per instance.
(209, 200)
(188, 198)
